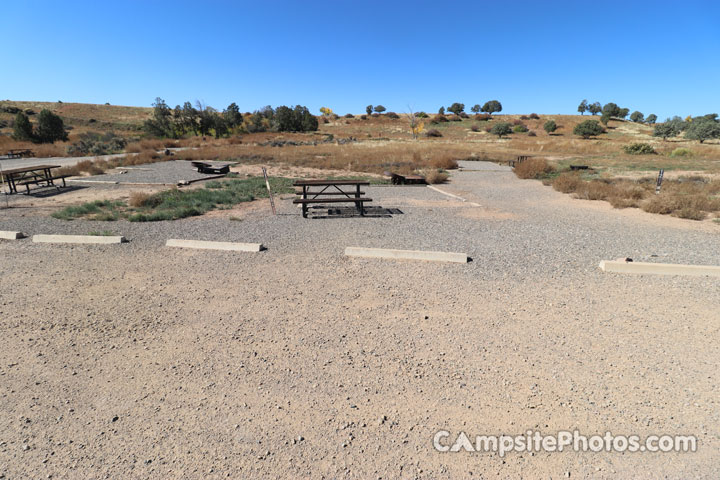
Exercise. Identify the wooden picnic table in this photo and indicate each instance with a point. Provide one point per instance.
(18, 153)
(331, 192)
(27, 176)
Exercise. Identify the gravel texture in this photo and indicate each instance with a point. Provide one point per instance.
(140, 361)
(168, 173)
(9, 163)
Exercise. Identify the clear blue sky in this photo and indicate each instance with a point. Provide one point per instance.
(654, 56)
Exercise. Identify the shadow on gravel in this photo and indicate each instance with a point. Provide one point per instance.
(349, 212)
(45, 192)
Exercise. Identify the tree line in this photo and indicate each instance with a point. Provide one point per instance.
(700, 128)
(612, 110)
(205, 120)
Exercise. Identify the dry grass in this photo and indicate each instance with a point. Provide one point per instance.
(533, 168)
(567, 182)
(434, 176)
(99, 166)
(687, 197)
(370, 157)
(138, 199)
(45, 150)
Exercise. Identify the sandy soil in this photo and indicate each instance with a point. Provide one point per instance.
(139, 361)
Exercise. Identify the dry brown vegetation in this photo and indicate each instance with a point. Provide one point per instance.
(381, 144)
(370, 157)
(138, 199)
(533, 168)
(434, 176)
(686, 197)
(99, 166)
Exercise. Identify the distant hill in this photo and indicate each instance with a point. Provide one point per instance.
(80, 117)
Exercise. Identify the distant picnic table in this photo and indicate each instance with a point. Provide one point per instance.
(331, 191)
(203, 167)
(19, 153)
(35, 175)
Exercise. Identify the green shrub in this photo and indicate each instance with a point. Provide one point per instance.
(550, 126)
(501, 128)
(520, 129)
(639, 149)
(682, 152)
(92, 143)
(588, 128)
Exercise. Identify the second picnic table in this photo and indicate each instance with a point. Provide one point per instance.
(331, 192)
(27, 176)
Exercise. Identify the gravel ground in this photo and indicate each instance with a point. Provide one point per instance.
(169, 173)
(8, 163)
(139, 361)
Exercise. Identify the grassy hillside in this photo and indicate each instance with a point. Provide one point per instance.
(381, 143)
(84, 116)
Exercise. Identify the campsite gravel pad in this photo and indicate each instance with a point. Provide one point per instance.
(169, 173)
(139, 360)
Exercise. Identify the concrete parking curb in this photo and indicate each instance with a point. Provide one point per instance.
(206, 245)
(85, 239)
(5, 235)
(619, 266)
(406, 254)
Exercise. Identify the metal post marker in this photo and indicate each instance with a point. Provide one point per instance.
(267, 184)
(659, 181)
(2, 176)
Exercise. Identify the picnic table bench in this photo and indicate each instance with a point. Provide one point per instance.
(34, 175)
(203, 167)
(331, 192)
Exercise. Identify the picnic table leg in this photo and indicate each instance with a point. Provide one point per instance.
(48, 177)
(358, 205)
(304, 210)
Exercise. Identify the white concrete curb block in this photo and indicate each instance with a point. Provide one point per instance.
(90, 239)
(204, 245)
(619, 266)
(406, 254)
(11, 235)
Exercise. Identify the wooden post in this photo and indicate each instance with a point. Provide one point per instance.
(659, 181)
(267, 184)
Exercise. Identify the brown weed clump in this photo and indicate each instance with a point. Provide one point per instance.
(434, 176)
(567, 183)
(533, 168)
(444, 162)
(138, 199)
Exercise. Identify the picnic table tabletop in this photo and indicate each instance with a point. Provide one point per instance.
(15, 171)
(310, 183)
